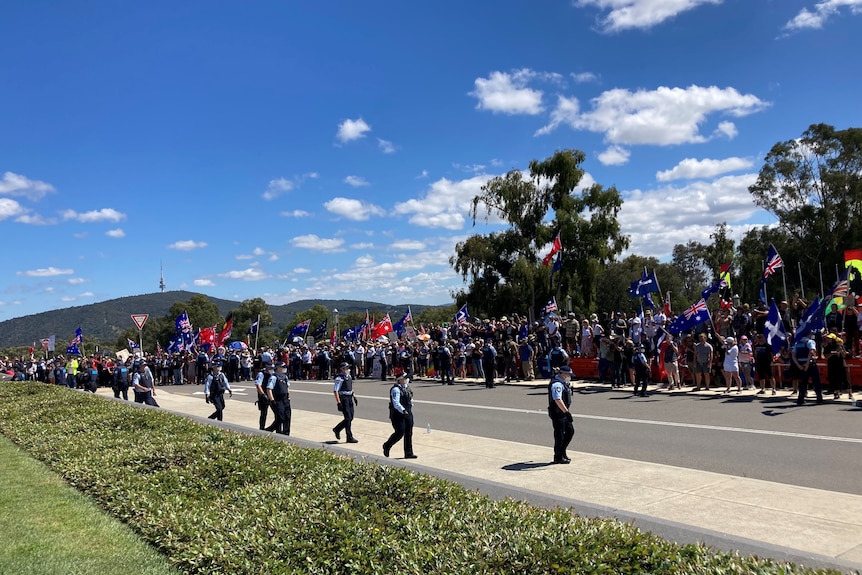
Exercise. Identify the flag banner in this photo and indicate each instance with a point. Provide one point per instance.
(773, 262)
(647, 301)
(45, 342)
(253, 329)
(207, 335)
(462, 316)
(52, 342)
(667, 310)
(696, 314)
(175, 345)
(182, 322)
(225, 332)
(382, 328)
(300, 330)
(558, 265)
(320, 331)
(159, 349)
(333, 337)
(646, 284)
(550, 306)
(79, 336)
(133, 344)
(400, 325)
(556, 246)
(773, 329)
(352, 333)
(812, 320)
(73, 349)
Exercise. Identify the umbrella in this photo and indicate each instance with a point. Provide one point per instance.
(238, 345)
(382, 339)
(424, 336)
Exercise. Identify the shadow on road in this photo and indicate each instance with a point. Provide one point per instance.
(525, 466)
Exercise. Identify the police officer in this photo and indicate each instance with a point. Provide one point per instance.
(489, 362)
(278, 393)
(261, 382)
(805, 367)
(143, 384)
(401, 416)
(121, 381)
(559, 400)
(214, 389)
(343, 391)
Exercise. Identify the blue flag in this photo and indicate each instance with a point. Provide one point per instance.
(646, 284)
(773, 329)
(558, 265)
(320, 331)
(462, 316)
(182, 322)
(812, 319)
(253, 329)
(648, 301)
(351, 333)
(133, 344)
(697, 313)
(300, 330)
(398, 326)
(73, 349)
(550, 306)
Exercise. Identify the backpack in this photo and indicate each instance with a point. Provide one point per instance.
(218, 385)
(279, 391)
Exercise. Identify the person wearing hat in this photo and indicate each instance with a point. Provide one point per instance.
(489, 362)
(278, 394)
(346, 401)
(121, 379)
(559, 401)
(143, 384)
(401, 416)
(731, 365)
(214, 388)
(641, 371)
(261, 384)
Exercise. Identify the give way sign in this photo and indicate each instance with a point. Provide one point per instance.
(140, 319)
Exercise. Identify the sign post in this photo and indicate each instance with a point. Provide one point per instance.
(140, 319)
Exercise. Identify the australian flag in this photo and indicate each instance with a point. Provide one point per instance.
(182, 322)
(398, 326)
(320, 331)
(558, 265)
(646, 284)
(696, 314)
(550, 306)
(300, 330)
(773, 329)
(133, 344)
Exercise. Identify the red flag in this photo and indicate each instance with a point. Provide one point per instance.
(225, 332)
(207, 335)
(555, 247)
(332, 337)
(666, 310)
(382, 328)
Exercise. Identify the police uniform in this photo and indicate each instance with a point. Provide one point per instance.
(401, 416)
(804, 354)
(560, 392)
(121, 381)
(278, 392)
(142, 382)
(260, 383)
(343, 391)
(212, 392)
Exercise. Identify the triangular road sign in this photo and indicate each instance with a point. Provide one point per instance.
(140, 319)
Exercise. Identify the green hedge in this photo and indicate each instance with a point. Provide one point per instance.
(222, 502)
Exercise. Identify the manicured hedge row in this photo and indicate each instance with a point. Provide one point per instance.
(222, 502)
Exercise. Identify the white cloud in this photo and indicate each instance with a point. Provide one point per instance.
(727, 129)
(362, 246)
(349, 130)
(353, 209)
(10, 209)
(658, 219)
(186, 245)
(295, 214)
(407, 245)
(315, 243)
(204, 283)
(614, 156)
(103, 215)
(386, 146)
(46, 272)
(691, 168)
(822, 12)
(585, 77)
(76, 281)
(664, 116)
(301, 271)
(356, 181)
(627, 14)
(508, 93)
(278, 187)
(249, 275)
(446, 204)
(33, 219)
(14, 184)
(422, 175)
(117, 233)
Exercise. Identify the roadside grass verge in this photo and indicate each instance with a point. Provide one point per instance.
(221, 502)
(49, 528)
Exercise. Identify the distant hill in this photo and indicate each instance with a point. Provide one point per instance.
(106, 320)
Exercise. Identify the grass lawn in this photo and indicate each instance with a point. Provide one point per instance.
(49, 528)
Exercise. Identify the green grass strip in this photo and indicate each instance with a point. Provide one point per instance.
(49, 528)
(220, 502)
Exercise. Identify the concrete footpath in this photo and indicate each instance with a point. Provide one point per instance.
(808, 526)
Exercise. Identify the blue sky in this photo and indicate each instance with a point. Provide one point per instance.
(293, 150)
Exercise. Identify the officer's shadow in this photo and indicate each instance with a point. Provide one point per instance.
(526, 466)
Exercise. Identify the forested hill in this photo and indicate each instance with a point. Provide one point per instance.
(106, 320)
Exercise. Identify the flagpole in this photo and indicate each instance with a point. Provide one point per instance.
(256, 333)
(820, 269)
(801, 287)
(784, 281)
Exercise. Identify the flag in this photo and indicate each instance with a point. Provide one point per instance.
(666, 310)
(842, 286)
(773, 329)
(253, 329)
(300, 330)
(558, 265)
(812, 319)
(646, 284)
(73, 349)
(648, 301)
(555, 247)
(133, 344)
(722, 283)
(332, 337)
(773, 262)
(462, 316)
(174, 345)
(366, 327)
(694, 315)
(207, 335)
(79, 336)
(159, 349)
(32, 348)
(351, 333)
(382, 328)
(182, 322)
(399, 326)
(550, 306)
(225, 332)
(320, 331)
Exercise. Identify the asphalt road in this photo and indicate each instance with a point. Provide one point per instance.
(762, 437)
